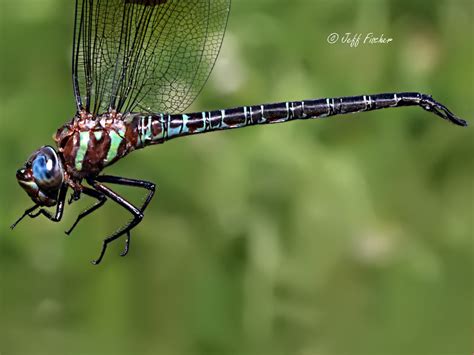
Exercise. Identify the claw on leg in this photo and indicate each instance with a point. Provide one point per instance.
(102, 252)
(137, 213)
(127, 245)
(104, 248)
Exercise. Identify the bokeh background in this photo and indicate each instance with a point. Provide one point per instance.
(352, 235)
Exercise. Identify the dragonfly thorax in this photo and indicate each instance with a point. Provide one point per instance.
(42, 176)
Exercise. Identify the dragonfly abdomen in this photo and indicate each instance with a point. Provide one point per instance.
(158, 128)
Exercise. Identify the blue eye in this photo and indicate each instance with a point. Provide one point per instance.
(45, 168)
(42, 168)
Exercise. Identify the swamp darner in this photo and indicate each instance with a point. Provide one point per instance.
(132, 59)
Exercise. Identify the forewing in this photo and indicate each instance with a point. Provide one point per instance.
(152, 55)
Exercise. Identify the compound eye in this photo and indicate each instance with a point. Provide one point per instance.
(42, 168)
(47, 169)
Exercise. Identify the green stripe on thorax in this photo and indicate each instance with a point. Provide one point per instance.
(81, 152)
(98, 135)
(115, 140)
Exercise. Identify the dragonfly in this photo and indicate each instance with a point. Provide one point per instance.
(136, 66)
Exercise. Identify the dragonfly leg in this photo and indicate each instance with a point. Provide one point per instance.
(100, 201)
(59, 209)
(137, 217)
(26, 213)
(127, 245)
(76, 195)
(151, 187)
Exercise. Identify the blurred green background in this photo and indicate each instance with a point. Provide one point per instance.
(352, 235)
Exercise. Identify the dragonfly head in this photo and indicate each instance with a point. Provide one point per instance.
(42, 176)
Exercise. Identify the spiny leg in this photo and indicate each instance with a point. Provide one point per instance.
(100, 201)
(137, 217)
(135, 183)
(76, 195)
(26, 213)
(127, 245)
(150, 186)
(59, 209)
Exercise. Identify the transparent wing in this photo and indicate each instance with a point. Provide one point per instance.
(152, 55)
